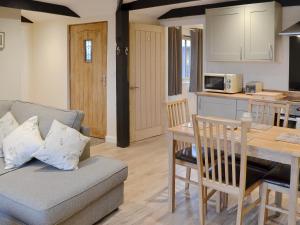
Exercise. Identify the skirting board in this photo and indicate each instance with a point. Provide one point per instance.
(111, 139)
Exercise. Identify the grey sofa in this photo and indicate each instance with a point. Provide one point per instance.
(38, 194)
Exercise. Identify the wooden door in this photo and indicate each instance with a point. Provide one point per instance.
(225, 33)
(146, 72)
(88, 69)
(260, 31)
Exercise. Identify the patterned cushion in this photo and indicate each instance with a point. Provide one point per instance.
(8, 124)
(19, 145)
(62, 147)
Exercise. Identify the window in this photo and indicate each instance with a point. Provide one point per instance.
(186, 58)
(88, 51)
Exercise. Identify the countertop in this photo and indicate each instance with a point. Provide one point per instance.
(292, 97)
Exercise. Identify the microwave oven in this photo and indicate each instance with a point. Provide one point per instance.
(225, 83)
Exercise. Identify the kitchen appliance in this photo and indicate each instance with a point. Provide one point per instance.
(253, 87)
(292, 31)
(294, 78)
(224, 83)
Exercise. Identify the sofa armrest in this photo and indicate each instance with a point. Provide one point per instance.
(86, 153)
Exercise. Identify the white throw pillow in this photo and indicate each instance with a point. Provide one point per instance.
(20, 144)
(62, 147)
(8, 124)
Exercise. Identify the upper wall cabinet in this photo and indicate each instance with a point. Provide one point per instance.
(225, 38)
(243, 33)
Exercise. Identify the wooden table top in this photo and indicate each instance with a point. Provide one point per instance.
(264, 139)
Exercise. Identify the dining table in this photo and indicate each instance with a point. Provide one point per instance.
(262, 143)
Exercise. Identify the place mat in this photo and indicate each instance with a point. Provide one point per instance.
(288, 137)
(260, 126)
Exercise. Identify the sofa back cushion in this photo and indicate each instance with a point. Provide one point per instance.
(5, 106)
(24, 110)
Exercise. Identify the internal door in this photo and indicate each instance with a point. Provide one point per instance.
(88, 69)
(146, 75)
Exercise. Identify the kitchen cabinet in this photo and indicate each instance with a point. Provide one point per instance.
(225, 38)
(243, 33)
(217, 107)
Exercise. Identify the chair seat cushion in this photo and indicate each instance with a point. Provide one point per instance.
(280, 176)
(258, 164)
(188, 154)
(252, 176)
(40, 194)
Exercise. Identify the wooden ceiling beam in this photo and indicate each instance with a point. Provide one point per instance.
(25, 20)
(143, 4)
(39, 7)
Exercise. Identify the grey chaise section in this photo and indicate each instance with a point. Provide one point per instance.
(38, 194)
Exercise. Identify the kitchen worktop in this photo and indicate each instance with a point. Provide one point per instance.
(292, 97)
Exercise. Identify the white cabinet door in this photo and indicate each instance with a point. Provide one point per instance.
(225, 34)
(260, 31)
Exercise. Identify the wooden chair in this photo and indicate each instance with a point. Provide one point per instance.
(178, 113)
(277, 180)
(269, 112)
(225, 175)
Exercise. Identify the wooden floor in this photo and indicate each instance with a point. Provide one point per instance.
(146, 190)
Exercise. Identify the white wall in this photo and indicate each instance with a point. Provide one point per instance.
(10, 58)
(274, 75)
(26, 61)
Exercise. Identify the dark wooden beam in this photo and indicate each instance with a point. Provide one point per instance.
(25, 20)
(122, 41)
(200, 10)
(39, 7)
(143, 4)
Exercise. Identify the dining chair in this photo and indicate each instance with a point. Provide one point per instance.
(277, 180)
(178, 114)
(269, 112)
(219, 171)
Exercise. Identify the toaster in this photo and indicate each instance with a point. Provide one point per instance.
(253, 87)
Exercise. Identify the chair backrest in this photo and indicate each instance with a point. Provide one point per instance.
(269, 112)
(178, 112)
(217, 142)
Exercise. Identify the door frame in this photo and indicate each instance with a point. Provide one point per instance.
(69, 65)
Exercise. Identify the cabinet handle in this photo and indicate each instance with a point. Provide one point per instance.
(271, 52)
(241, 53)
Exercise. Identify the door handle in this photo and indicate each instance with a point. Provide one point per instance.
(133, 87)
(271, 51)
(241, 53)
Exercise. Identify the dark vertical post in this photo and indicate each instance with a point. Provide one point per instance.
(122, 39)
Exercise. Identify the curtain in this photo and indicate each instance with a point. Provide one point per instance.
(196, 60)
(174, 61)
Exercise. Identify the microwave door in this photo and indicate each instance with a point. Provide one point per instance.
(214, 83)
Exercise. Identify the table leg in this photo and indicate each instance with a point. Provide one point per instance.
(293, 191)
(171, 173)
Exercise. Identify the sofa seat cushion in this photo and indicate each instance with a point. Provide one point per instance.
(24, 110)
(40, 194)
(2, 170)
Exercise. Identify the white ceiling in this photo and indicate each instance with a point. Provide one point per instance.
(97, 8)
